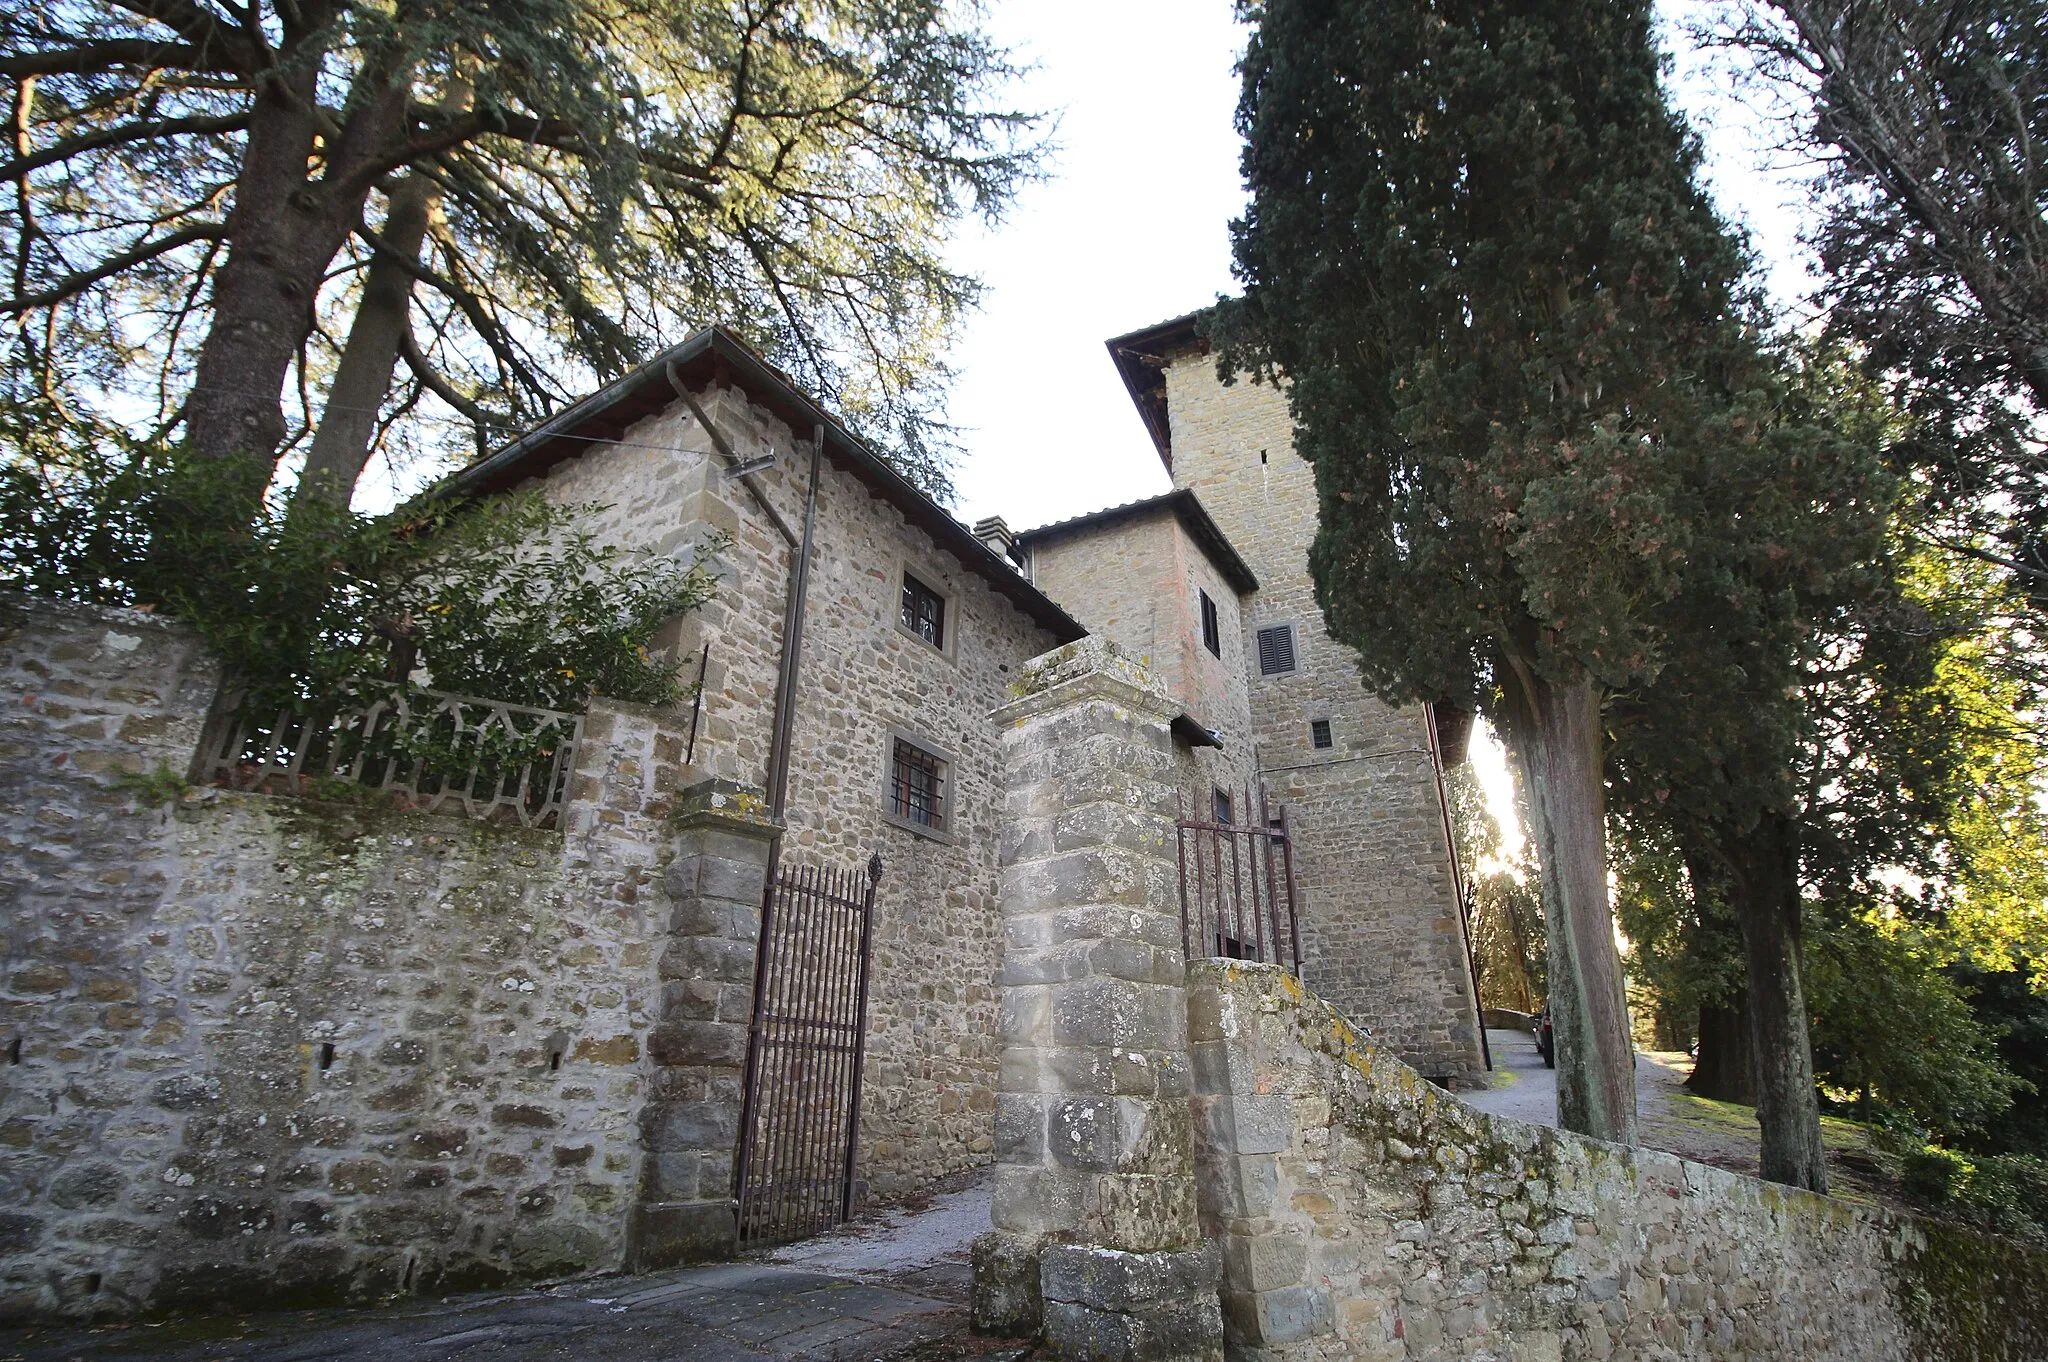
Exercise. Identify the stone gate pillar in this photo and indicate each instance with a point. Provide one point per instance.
(1095, 1238)
(690, 1123)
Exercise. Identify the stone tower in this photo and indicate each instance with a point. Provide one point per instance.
(1384, 938)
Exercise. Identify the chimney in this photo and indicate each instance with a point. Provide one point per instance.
(999, 539)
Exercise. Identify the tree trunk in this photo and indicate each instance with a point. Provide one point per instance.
(1726, 1067)
(1765, 870)
(1555, 731)
(283, 232)
(342, 444)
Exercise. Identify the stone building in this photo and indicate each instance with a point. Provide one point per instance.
(258, 1046)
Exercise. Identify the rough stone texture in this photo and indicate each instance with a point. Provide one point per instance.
(929, 1105)
(1379, 901)
(272, 1048)
(1363, 1213)
(1094, 1165)
(691, 1122)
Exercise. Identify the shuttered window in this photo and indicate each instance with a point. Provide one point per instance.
(1212, 633)
(1276, 649)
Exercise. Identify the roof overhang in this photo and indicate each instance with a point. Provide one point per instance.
(1189, 730)
(715, 355)
(1181, 503)
(1141, 358)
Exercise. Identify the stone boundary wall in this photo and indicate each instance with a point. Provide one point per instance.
(256, 1048)
(1364, 1213)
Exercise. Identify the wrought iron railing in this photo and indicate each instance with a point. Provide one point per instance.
(442, 753)
(1237, 898)
(800, 1108)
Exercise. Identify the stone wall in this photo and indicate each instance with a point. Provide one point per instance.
(1366, 1214)
(1133, 582)
(257, 1047)
(1379, 914)
(931, 1058)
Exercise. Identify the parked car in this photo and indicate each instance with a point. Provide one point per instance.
(1546, 1039)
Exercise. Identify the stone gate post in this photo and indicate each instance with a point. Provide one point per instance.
(1095, 1240)
(690, 1124)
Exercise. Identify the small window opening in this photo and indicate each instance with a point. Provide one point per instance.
(1262, 456)
(92, 1283)
(1276, 649)
(1220, 805)
(326, 1055)
(14, 1050)
(411, 1265)
(1230, 948)
(924, 611)
(916, 786)
(1319, 733)
(1212, 631)
(554, 1061)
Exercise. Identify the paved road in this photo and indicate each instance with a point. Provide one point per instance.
(891, 1287)
(1527, 1091)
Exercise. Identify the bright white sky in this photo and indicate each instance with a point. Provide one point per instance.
(1131, 228)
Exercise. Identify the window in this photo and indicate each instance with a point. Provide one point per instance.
(1319, 733)
(924, 612)
(1212, 633)
(1276, 649)
(917, 786)
(1220, 806)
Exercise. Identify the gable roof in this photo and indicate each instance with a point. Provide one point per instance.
(714, 354)
(1140, 359)
(1184, 506)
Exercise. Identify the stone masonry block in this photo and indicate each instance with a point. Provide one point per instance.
(692, 1126)
(1117, 1013)
(1093, 875)
(1114, 825)
(1026, 1015)
(1006, 1300)
(1020, 1127)
(1265, 1125)
(1036, 1201)
(1267, 1261)
(1182, 1331)
(1111, 1279)
(699, 1042)
(1150, 923)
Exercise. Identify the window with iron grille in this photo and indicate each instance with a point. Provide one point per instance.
(1220, 805)
(1212, 632)
(917, 786)
(1319, 733)
(924, 612)
(1276, 649)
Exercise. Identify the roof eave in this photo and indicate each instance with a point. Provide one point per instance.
(713, 346)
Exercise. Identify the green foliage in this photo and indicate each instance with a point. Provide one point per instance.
(1511, 325)
(609, 177)
(2003, 1193)
(153, 789)
(506, 599)
(2006, 1005)
(1893, 1032)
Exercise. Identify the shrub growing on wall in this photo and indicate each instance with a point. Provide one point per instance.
(504, 598)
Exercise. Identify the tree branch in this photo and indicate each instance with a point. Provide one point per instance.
(84, 279)
(110, 137)
(430, 378)
(105, 56)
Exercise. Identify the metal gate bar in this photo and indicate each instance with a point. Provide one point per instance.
(1239, 902)
(800, 1112)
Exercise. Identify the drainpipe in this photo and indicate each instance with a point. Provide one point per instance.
(793, 606)
(792, 652)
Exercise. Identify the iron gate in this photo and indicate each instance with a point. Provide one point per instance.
(800, 1115)
(1237, 887)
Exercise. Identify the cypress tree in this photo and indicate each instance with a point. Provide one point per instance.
(1510, 324)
